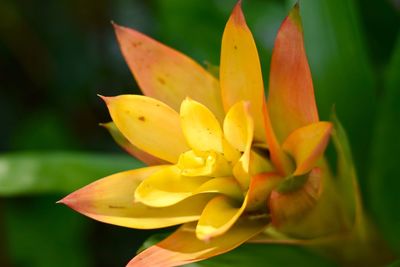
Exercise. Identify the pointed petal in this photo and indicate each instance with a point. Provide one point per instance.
(183, 247)
(218, 216)
(111, 200)
(281, 161)
(167, 187)
(148, 124)
(307, 144)
(166, 74)
(200, 127)
(128, 147)
(291, 94)
(240, 70)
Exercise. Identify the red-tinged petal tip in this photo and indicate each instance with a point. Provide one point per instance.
(75, 200)
(291, 98)
(106, 99)
(116, 25)
(68, 201)
(237, 14)
(119, 28)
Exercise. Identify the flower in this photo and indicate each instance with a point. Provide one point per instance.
(225, 163)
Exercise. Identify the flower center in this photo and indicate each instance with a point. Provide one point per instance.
(199, 163)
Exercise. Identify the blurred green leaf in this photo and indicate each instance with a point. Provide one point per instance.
(56, 172)
(342, 72)
(395, 264)
(385, 174)
(42, 234)
(183, 25)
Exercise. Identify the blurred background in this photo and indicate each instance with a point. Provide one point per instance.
(55, 56)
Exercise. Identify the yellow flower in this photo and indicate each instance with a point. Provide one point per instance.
(226, 163)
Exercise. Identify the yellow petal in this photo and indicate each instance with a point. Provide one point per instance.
(241, 172)
(128, 147)
(166, 74)
(242, 169)
(222, 212)
(183, 247)
(210, 164)
(218, 216)
(111, 200)
(307, 144)
(200, 127)
(223, 185)
(238, 131)
(249, 165)
(239, 126)
(259, 163)
(240, 71)
(291, 94)
(192, 164)
(167, 187)
(148, 124)
(231, 154)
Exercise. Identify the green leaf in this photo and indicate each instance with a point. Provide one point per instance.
(26, 173)
(41, 234)
(385, 170)
(346, 177)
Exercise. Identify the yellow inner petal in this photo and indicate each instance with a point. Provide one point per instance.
(167, 187)
(239, 126)
(200, 127)
(209, 164)
(217, 217)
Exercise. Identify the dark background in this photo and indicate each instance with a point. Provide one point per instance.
(55, 56)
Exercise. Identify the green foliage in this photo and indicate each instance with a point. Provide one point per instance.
(56, 172)
(342, 72)
(385, 170)
(40, 234)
